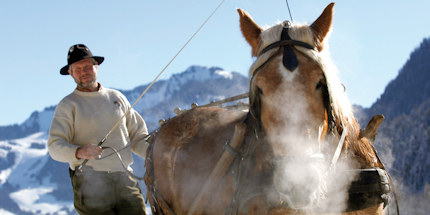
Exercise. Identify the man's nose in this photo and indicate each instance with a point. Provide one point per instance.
(88, 69)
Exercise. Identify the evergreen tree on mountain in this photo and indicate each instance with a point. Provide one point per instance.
(410, 88)
(406, 131)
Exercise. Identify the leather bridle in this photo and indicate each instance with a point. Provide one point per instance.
(290, 62)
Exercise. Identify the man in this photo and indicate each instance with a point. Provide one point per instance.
(81, 120)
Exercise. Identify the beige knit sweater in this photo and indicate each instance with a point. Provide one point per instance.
(83, 118)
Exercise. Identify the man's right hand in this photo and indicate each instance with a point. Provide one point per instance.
(89, 152)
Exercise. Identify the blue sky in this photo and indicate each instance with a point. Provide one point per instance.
(369, 43)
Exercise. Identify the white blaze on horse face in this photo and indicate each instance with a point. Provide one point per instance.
(287, 74)
(298, 175)
(287, 118)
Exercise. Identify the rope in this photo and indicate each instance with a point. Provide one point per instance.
(122, 163)
(289, 11)
(156, 78)
(394, 194)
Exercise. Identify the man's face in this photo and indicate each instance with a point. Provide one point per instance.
(84, 72)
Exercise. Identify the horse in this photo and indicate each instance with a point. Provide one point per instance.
(297, 150)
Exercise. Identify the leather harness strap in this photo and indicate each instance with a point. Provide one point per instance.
(288, 42)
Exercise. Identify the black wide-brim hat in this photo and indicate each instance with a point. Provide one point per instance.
(76, 53)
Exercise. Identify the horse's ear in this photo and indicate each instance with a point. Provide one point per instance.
(322, 25)
(250, 30)
(372, 127)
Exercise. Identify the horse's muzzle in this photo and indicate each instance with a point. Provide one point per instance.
(299, 180)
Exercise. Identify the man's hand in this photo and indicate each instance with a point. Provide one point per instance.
(89, 152)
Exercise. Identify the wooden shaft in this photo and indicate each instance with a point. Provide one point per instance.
(218, 172)
(234, 98)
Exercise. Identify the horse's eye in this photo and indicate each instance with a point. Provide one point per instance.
(260, 91)
(319, 85)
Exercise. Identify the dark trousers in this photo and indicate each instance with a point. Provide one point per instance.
(106, 193)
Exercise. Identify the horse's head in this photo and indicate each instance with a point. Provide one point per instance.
(289, 93)
(297, 99)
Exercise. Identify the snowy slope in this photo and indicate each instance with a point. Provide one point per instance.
(20, 181)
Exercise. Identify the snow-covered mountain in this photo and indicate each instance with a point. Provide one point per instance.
(32, 183)
(196, 84)
(27, 183)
